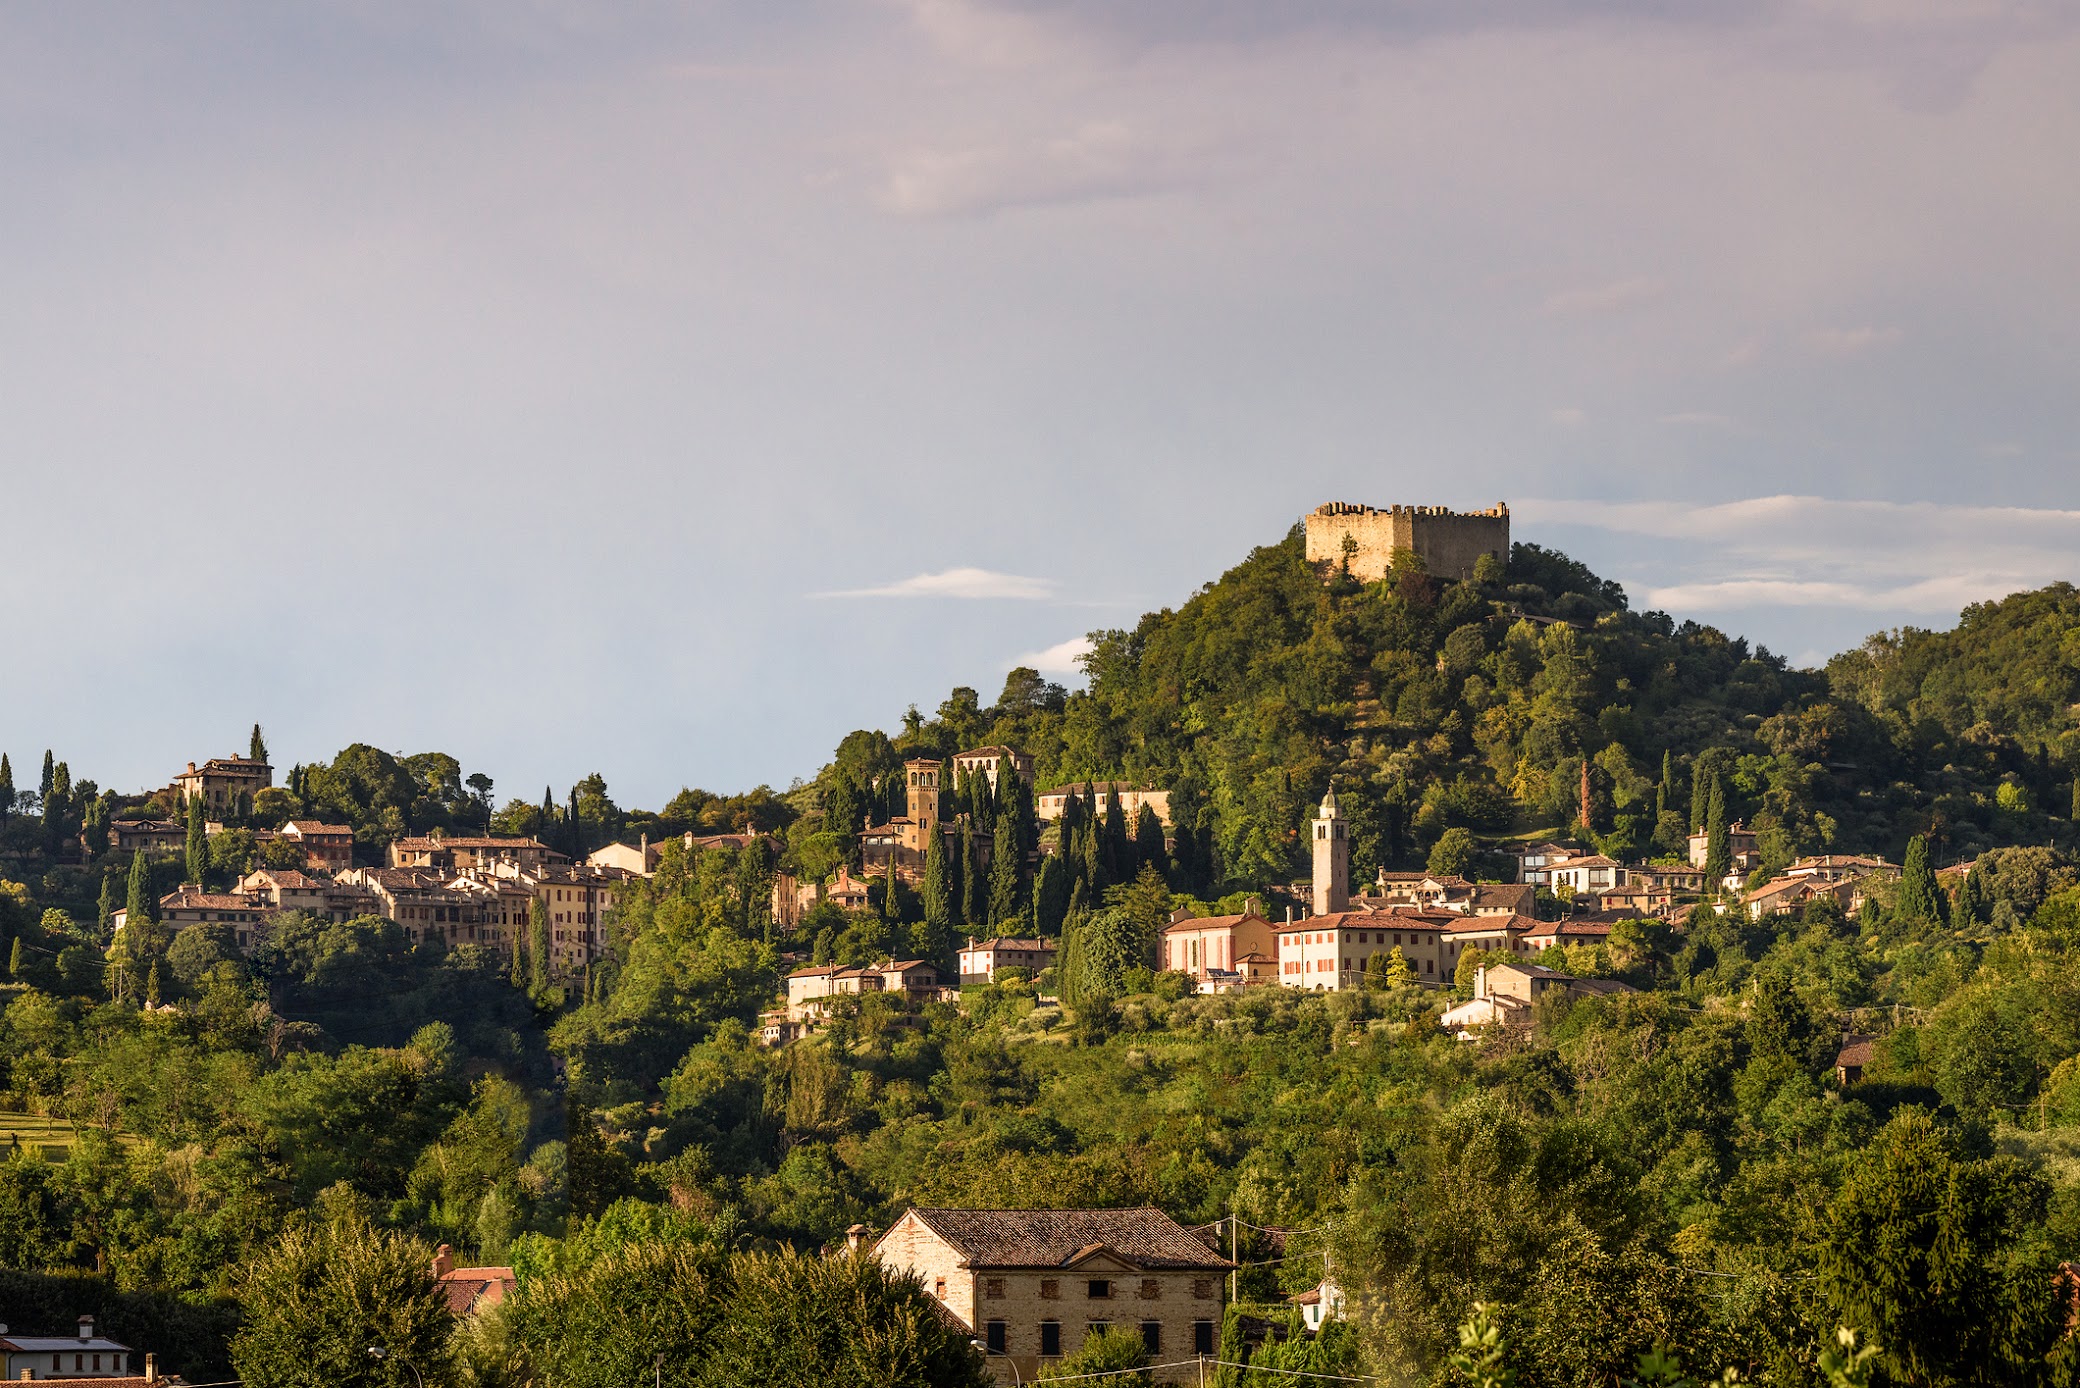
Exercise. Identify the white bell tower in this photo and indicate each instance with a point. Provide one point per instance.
(1332, 859)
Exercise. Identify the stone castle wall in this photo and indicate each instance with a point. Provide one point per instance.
(1448, 542)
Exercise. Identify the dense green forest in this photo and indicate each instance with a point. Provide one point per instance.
(249, 1166)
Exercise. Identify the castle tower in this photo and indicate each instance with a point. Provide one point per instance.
(922, 787)
(1332, 859)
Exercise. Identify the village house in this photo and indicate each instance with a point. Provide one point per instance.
(980, 959)
(1589, 875)
(811, 990)
(84, 1357)
(1544, 935)
(1535, 863)
(1330, 953)
(247, 915)
(147, 835)
(444, 853)
(1131, 799)
(986, 760)
(1031, 1285)
(1740, 842)
(1787, 895)
(287, 889)
(471, 1290)
(1418, 889)
(1205, 946)
(415, 899)
(1854, 1058)
(576, 899)
(1842, 867)
(640, 859)
(326, 847)
(225, 785)
(1507, 993)
(905, 839)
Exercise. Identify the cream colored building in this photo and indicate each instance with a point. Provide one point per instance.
(225, 785)
(1032, 1284)
(1131, 799)
(986, 760)
(1216, 944)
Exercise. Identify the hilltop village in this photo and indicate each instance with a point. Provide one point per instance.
(1402, 939)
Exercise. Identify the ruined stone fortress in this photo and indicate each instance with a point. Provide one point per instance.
(1448, 542)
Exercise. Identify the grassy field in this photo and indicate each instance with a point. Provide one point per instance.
(52, 1136)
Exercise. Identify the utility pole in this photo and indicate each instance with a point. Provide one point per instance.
(1235, 1272)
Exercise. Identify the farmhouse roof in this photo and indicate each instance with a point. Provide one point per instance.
(1146, 1238)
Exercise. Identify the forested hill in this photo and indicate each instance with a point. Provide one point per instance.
(1433, 705)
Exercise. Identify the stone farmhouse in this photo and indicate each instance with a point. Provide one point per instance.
(462, 852)
(1507, 993)
(985, 761)
(224, 785)
(1132, 797)
(1448, 543)
(980, 959)
(1032, 1284)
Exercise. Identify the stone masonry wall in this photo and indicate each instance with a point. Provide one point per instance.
(1448, 542)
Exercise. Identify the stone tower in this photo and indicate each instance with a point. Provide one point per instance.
(921, 781)
(1332, 858)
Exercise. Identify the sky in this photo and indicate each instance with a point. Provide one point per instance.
(666, 389)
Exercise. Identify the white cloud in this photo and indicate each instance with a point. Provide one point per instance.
(955, 583)
(1605, 298)
(1805, 551)
(1850, 342)
(1059, 659)
(1096, 161)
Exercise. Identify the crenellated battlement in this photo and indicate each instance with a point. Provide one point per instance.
(1448, 542)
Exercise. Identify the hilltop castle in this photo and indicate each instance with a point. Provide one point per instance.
(1448, 542)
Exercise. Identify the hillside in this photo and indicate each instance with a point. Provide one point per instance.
(1473, 704)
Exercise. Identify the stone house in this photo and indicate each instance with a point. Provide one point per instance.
(1740, 842)
(470, 1290)
(1535, 863)
(326, 847)
(1329, 953)
(1131, 798)
(224, 785)
(1211, 944)
(150, 835)
(1032, 1284)
(986, 760)
(981, 959)
(458, 852)
(1508, 992)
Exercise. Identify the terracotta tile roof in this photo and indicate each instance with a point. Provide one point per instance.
(1146, 1238)
(1212, 922)
(1006, 943)
(307, 827)
(462, 841)
(1393, 918)
(476, 1289)
(1856, 1050)
(993, 750)
(209, 901)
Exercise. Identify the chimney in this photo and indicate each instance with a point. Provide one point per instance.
(855, 1236)
(645, 850)
(1480, 981)
(443, 1261)
(1289, 913)
(151, 1368)
(86, 1329)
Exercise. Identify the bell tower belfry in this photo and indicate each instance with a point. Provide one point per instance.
(1332, 859)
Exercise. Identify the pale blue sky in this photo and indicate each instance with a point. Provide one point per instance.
(519, 380)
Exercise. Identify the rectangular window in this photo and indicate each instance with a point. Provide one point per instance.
(1202, 1338)
(939, 1288)
(993, 1288)
(1202, 1288)
(1152, 1336)
(1100, 1289)
(993, 1336)
(1050, 1289)
(1151, 1289)
(1050, 1337)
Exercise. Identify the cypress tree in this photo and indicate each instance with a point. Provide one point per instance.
(151, 986)
(7, 789)
(1920, 898)
(1050, 895)
(974, 908)
(1007, 858)
(105, 911)
(1700, 800)
(1974, 901)
(1116, 851)
(198, 844)
(1668, 775)
(50, 774)
(1718, 852)
(938, 889)
(1092, 861)
(15, 962)
(517, 974)
(9, 781)
(891, 904)
(575, 830)
(1148, 842)
(139, 906)
(538, 945)
(546, 815)
(257, 749)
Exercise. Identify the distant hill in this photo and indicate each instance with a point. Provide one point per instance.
(1473, 704)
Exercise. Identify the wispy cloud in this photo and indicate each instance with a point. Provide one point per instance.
(1605, 298)
(1062, 658)
(955, 583)
(1850, 342)
(1097, 161)
(1805, 551)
